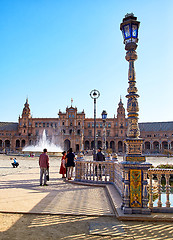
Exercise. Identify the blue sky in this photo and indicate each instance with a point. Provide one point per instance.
(52, 51)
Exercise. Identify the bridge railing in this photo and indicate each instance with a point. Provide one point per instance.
(94, 171)
(156, 186)
(111, 172)
(100, 172)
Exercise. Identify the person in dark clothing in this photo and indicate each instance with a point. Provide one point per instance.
(70, 163)
(99, 157)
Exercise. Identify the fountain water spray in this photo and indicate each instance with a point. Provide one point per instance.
(43, 143)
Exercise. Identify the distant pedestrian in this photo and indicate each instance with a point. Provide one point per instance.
(44, 166)
(63, 163)
(99, 157)
(15, 163)
(70, 163)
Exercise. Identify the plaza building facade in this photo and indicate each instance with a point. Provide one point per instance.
(72, 129)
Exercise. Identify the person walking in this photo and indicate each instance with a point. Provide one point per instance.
(70, 163)
(63, 163)
(44, 166)
(99, 157)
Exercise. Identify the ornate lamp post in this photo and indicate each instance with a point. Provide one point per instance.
(104, 117)
(135, 198)
(94, 94)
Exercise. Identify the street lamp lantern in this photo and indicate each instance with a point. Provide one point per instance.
(104, 115)
(129, 28)
(94, 94)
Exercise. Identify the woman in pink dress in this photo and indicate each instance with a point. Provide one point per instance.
(63, 167)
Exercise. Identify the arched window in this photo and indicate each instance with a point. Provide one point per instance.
(0, 143)
(120, 146)
(23, 143)
(171, 145)
(112, 145)
(78, 132)
(147, 145)
(92, 145)
(87, 145)
(164, 145)
(17, 143)
(7, 143)
(67, 144)
(99, 144)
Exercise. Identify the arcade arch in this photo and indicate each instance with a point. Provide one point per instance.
(112, 146)
(99, 144)
(120, 146)
(23, 143)
(147, 145)
(7, 143)
(17, 143)
(67, 144)
(164, 145)
(87, 145)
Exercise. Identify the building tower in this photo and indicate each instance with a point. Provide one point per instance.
(25, 121)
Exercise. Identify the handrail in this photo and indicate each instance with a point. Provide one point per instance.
(155, 188)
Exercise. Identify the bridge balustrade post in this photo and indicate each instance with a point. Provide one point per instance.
(159, 203)
(167, 176)
(151, 190)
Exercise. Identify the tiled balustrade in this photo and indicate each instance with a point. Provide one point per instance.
(93, 171)
(111, 172)
(100, 172)
(155, 189)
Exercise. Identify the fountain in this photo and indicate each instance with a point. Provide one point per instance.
(52, 149)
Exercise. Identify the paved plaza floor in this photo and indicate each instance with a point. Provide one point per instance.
(63, 210)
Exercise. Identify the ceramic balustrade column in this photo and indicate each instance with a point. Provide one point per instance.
(123, 179)
(112, 172)
(159, 203)
(86, 171)
(145, 190)
(90, 170)
(151, 190)
(167, 176)
(80, 170)
(126, 190)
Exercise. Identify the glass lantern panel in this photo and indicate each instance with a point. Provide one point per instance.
(104, 116)
(123, 34)
(134, 31)
(127, 31)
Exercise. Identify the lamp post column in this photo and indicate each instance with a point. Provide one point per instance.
(104, 116)
(94, 94)
(95, 141)
(104, 136)
(135, 184)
